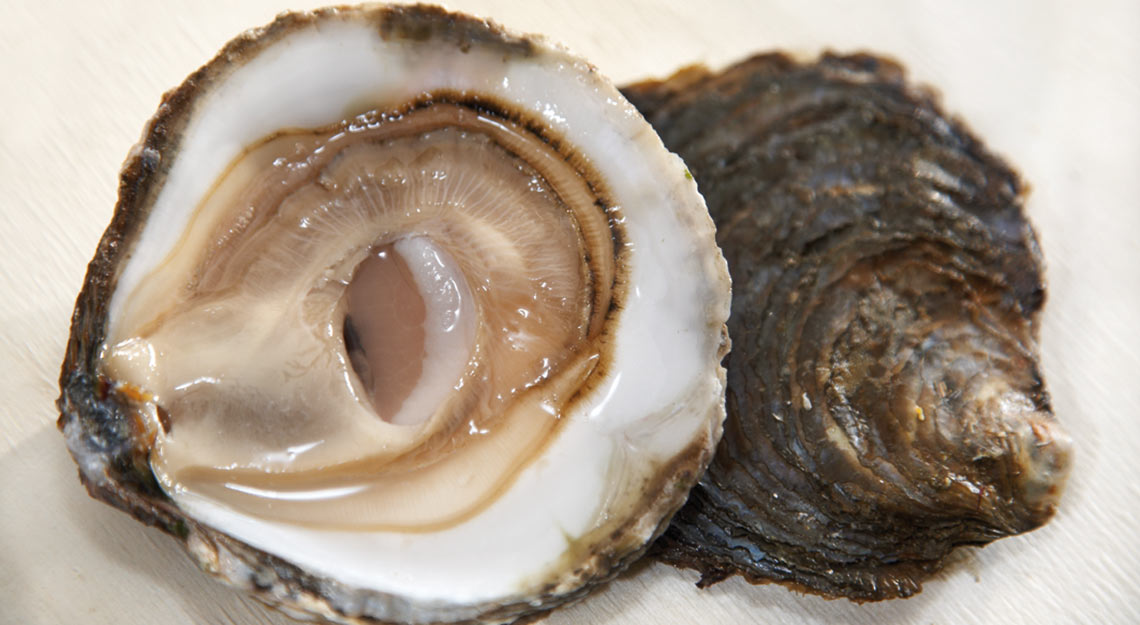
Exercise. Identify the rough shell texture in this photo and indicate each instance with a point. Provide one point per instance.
(885, 402)
(111, 442)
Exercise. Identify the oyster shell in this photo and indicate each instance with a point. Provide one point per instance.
(885, 402)
(400, 317)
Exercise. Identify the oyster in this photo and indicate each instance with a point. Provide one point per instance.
(885, 402)
(400, 317)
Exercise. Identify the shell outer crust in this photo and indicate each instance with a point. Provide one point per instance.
(868, 236)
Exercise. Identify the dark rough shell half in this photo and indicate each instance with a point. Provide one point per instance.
(885, 402)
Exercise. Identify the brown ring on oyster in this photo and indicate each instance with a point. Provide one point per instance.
(400, 317)
(884, 398)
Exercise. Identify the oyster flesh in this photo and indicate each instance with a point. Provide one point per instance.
(400, 317)
(885, 402)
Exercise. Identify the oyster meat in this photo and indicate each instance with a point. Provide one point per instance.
(400, 317)
(885, 402)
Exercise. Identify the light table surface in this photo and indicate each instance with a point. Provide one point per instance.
(1052, 86)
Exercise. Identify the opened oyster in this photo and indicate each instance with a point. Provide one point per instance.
(400, 317)
(885, 403)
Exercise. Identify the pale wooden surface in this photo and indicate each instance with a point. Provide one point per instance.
(1052, 86)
